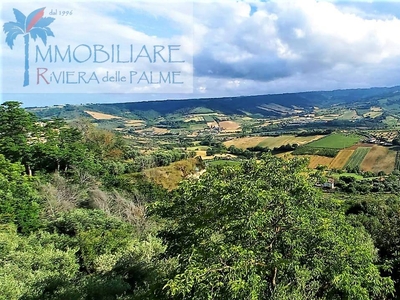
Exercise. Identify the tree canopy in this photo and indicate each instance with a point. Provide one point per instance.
(261, 231)
(79, 219)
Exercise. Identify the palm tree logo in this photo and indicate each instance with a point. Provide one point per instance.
(34, 25)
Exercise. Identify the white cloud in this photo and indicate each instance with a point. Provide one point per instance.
(248, 47)
(100, 24)
(303, 43)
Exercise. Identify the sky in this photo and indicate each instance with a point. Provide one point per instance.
(226, 48)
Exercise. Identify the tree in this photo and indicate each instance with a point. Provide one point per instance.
(33, 268)
(208, 140)
(34, 26)
(246, 128)
(261, 231)
(18, 134)
(45, 146)
(64, 145)
(114, 260)
(381, 218)
(19, 203)
(103, 143)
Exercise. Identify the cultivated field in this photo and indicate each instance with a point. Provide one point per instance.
(229, 125)
(336, 141)
(397, 164)
(212, 124)
(101, 116)
(327, 117)
(201, 153)
(247, 119)
(135, 123)
(391, 121)
(373, 114)
(316, 160)
(341, 159)
(245, 142)
(379, 159)
(348, 115)
(278, 141)
(354, 175)
(363, 145)
(158, 130)
(198, 126)
(357, 158)
(208, 118)
(194, 118)
(271, 142)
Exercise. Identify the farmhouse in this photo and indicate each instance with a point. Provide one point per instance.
(329, 184)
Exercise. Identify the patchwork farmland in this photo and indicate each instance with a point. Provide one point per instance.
(341, 159)
(135, 123)
(245, 142)
(379, 159)
(229, 125)
(340, 151)
(357, 157)
(336, 141)
(367, 157)
(316, 160)
(101, 116)
(208, 119)
(271, 142)
(278, 141)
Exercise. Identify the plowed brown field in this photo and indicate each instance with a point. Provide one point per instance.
(379, 159)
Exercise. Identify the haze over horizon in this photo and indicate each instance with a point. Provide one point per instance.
(43, 100)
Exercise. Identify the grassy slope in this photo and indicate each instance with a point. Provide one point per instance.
(270, 142)
(336, 141)
(170, 176)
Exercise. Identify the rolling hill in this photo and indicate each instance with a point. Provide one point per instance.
(259, 105)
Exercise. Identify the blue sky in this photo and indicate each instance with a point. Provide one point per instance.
(145, 21)
(230, 48)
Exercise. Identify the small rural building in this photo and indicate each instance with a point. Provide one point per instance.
(330, 184)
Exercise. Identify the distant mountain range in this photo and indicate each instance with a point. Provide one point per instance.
(259, 105)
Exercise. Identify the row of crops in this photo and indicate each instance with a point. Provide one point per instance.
(373, 158)
(397, 164)
(346, 151)
(357, 157)
(329, 145)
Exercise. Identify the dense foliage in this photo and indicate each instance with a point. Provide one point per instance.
(261, 231)
(305, 150)
(79, 220)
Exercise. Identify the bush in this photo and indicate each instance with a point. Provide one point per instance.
(304, 150)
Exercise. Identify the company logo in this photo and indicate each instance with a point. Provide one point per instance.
(156, 57)
(34, 26)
